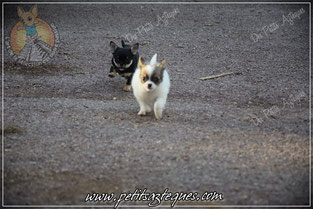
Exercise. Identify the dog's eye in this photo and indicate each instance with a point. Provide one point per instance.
(145, 78)
(155, 79)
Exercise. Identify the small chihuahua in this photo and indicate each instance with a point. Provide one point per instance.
(124, 62)
(151, 84)
(29, 21)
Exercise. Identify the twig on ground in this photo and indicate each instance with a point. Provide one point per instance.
(216, 76)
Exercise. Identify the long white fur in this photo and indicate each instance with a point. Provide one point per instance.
(146, 97)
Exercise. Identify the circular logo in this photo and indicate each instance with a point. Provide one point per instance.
(33, 43)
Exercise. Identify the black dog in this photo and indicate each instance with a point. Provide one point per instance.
(124, 62)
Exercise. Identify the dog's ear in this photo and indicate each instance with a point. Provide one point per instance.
(34, 10)
(20, 11)
(113, 46)
(153, 60)
(160, 68)
(134, 48)
(162, 65)
(123, 43)
(140, 63)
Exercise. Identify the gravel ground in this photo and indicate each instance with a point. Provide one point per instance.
(71, 130)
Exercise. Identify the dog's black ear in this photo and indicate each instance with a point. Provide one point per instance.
(123, 43)
(134, 48)
(113, 46)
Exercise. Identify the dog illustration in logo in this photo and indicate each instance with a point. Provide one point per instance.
(28, 19)
(35, 49)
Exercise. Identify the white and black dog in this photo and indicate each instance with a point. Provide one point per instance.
(151, 84)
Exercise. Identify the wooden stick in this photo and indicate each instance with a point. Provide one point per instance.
(215, 76)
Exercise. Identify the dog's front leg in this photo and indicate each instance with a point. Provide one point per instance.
(158, 108)
(144, 108)
(128, 86)
(112, 72)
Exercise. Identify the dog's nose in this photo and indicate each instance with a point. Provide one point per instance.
(149, 86)
(30, 18)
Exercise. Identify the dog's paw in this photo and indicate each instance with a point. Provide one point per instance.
(142, 113)
(159, 117)
(158, 114)
(127, 88)
(112, 74)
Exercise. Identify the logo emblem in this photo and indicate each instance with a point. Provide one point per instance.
(32, 41)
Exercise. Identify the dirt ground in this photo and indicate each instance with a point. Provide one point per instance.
(71, 130)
